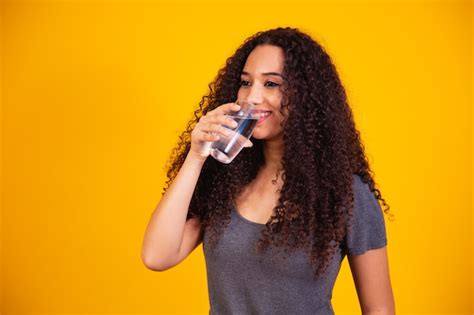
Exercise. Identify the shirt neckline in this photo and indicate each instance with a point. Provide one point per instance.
(242, 218)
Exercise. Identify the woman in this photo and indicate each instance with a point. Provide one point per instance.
(277, 222)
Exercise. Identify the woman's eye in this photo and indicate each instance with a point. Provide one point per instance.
(273, 83)
(268, 83)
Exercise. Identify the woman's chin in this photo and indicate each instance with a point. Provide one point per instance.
(257, 134)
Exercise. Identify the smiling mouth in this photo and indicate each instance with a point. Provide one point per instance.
(263, 116)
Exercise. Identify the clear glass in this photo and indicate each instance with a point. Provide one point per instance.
(227, 147)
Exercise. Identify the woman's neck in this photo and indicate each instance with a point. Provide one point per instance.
(273, 153)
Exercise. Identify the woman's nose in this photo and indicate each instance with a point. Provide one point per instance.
(255, 96)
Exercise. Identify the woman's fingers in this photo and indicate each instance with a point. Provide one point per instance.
(210, 136)
(216, 129)
(218, 124)
(224, 109)
(205, 132)
(220, 120)
(201, 136)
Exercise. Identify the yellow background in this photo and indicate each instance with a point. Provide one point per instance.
(94, 94)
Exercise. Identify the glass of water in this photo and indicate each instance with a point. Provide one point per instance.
(226, 148)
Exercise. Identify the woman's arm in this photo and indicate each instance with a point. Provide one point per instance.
(168, 230)
(169, 238)
(370, 272)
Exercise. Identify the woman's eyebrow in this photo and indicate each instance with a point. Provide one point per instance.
(265, 73)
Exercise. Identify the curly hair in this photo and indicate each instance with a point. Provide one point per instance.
(322, 151)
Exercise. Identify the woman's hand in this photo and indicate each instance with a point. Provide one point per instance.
(209, 129)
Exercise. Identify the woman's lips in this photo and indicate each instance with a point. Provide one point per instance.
(263, 117)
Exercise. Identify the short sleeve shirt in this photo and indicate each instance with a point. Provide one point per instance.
(242, 281)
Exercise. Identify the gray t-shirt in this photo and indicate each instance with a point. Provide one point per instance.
(241, 281)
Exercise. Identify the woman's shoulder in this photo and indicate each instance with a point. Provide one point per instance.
(367, 230)
(361, 190)
(357, 182)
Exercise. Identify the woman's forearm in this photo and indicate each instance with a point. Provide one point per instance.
(165, 229)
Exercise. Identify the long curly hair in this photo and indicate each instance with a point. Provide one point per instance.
(322, 151)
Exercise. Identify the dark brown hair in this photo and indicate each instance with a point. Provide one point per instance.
(322, 151)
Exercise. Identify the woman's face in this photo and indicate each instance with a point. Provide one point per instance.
(260, 83)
